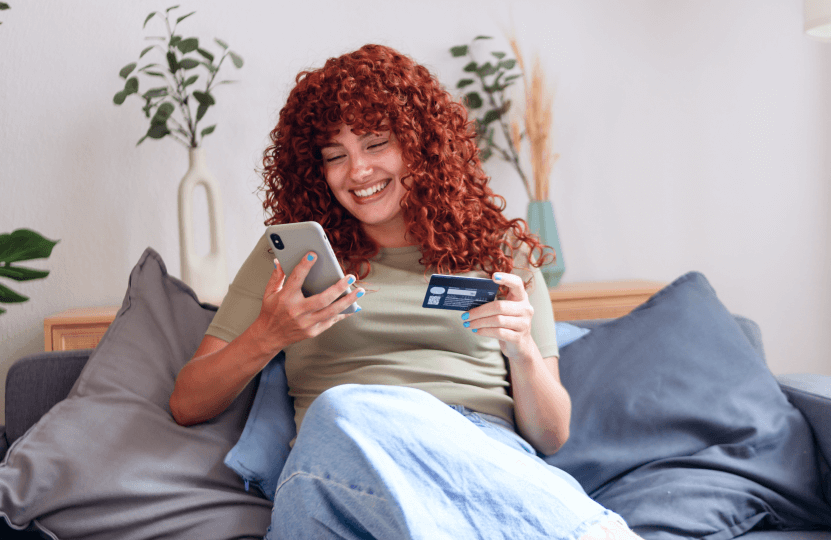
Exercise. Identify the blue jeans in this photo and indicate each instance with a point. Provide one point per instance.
(391, 462)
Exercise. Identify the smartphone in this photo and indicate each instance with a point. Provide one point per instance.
(291, 242)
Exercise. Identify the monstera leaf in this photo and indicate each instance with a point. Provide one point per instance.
(21, 245)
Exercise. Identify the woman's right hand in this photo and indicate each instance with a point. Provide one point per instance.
(287, 316)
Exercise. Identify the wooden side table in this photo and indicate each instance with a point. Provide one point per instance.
(600, 299)
(80, 328)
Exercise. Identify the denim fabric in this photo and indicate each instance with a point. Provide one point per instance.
(393, 462)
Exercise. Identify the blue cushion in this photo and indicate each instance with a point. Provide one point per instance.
(568, 333)
(262, 449)
(679, 426)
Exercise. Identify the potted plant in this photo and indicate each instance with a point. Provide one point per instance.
(485, 88)
(184, 76)
(21, 245)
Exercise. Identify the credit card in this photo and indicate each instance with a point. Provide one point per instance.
(459, 293)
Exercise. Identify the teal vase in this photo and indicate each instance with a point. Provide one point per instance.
(541, 222)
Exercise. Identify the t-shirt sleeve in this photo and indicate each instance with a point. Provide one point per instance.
(242, 304)
(542, 324)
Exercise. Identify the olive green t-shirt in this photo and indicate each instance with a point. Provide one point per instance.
(393, 340)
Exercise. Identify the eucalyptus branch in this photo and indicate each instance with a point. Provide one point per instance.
(162, 103)
(497, 106)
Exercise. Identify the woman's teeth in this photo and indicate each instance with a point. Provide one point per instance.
(371, 190)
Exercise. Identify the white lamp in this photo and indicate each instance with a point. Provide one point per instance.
(818, 19)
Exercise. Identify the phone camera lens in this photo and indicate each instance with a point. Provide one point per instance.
(278, 243)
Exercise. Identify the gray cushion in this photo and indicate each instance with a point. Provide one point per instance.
(109, 461)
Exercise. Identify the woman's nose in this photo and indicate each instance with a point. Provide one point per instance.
(361, 168)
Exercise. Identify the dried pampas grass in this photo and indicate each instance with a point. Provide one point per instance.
(538, 124)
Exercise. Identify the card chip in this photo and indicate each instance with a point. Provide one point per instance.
(434, 300)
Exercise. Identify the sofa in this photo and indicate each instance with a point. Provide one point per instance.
(677, 425)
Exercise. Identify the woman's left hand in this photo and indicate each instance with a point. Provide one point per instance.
(508, 319)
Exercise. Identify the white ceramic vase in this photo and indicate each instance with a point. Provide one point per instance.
(207, 275)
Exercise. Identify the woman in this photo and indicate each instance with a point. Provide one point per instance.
(372, 148)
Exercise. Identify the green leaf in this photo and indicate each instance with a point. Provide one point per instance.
(481, 37)
(201, 110)
(499, 55)
(146, 50)
(8, 296)
(126, 70)
(155, 74)
(485, 154)
(155, 92)
(204, 98)
(472, 100)
(236, 59)
(119, 97)
(460, 50)
(183, 17)
(171, 8)
(157, 131)
(4, 6)
(131, 86)
(171, 62)
(2, 311)
(491, 116)
(188, 45)
(148, 19)
(486, 69)
(148, 66)
(174, 40)
(162, 114)
(471, 67)
(208, 130)
(208, 56)
(24, 245)
(190, 81)
(508, 64)
(221, 43)
(464, 82)
(19, 273)
(511, 78)
(188, 63)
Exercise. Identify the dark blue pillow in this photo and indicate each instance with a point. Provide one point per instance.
(678, 425)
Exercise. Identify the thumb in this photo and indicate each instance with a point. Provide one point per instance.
(278, 277)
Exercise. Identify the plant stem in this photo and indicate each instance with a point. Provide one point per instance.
(511, 157)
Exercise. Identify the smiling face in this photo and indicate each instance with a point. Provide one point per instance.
(365, 173)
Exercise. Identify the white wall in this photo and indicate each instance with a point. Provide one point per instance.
(693, 136)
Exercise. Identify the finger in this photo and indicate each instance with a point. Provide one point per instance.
(334, 309)
(323, 299)
(507, 322)
(298, 275)
(505, 307)
(278, 277)
(514, 283)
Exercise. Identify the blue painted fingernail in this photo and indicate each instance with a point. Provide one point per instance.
(465, 316)
(275, 265)
(467, 325)
(310, 257)
(357, 310)
(497, 277)
(360, 294)
(351, 280)
(475, 330)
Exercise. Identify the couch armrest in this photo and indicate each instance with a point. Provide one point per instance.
(811, 394)
(35, 383)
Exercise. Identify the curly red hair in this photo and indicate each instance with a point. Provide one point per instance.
(449, 209)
